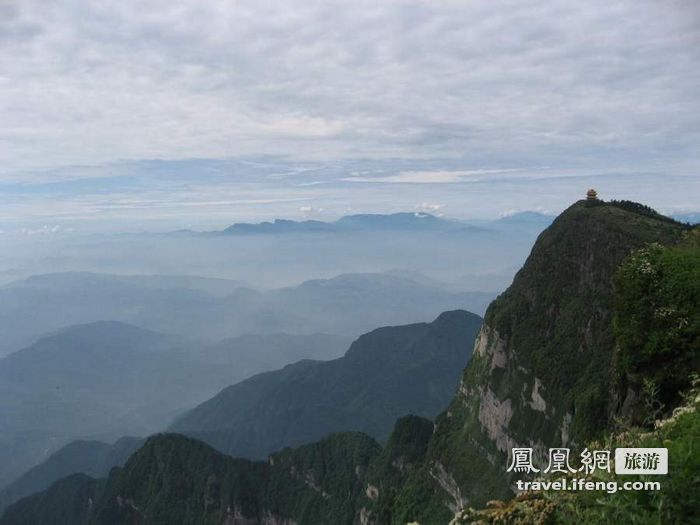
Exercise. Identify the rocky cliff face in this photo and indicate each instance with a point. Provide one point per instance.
(540, 375)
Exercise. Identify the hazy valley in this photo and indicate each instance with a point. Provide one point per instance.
(291, 378)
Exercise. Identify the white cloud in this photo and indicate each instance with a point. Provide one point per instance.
(93, 82)
(431, 208)
(537, 209)
(479, 106)
(45, 229)
(309, 210)
(432, 176)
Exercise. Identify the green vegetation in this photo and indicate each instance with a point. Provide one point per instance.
(640, 209)
(675, 503)
(334, 467)
(385, 374)
(400, 461)
(175, 479)
(677, 500)
(93, 458)
(557, 313)
(655, 325)
(67, 501)
(550, 332)
(657, 319)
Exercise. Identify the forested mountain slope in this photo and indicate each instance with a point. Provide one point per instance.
(385, 374)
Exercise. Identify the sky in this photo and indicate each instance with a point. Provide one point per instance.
(126, 115)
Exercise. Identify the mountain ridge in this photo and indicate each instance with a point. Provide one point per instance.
(364, 221)
(417, 221)
(91, 458)
(541, 374)
(105, 379)
(29, 309)
(383, 374)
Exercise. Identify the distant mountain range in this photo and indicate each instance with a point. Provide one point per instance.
(171, 342)
(211, 310)
(284, 253)
(385, 374)
(397, 221)
(689, 218)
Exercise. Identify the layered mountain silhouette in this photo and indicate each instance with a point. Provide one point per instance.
(405, 221)
(385, 373)
(550, 368)
(92, 458)
(347, 305)
(371, 222)
(187, 481)
(108, 379)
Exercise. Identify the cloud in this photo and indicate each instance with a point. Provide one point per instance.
(202, 113)
(504, 82)
(45, 229)
(431, 177)
(515, 211)
(428, 207)
(207, 194)
(309, 210)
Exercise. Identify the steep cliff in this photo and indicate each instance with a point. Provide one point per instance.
(542, 370)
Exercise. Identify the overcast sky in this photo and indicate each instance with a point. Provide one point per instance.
(259, 109)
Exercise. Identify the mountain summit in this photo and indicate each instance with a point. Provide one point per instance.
(542, 371)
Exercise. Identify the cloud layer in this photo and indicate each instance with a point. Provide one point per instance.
(93, 82)
(420, 93)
